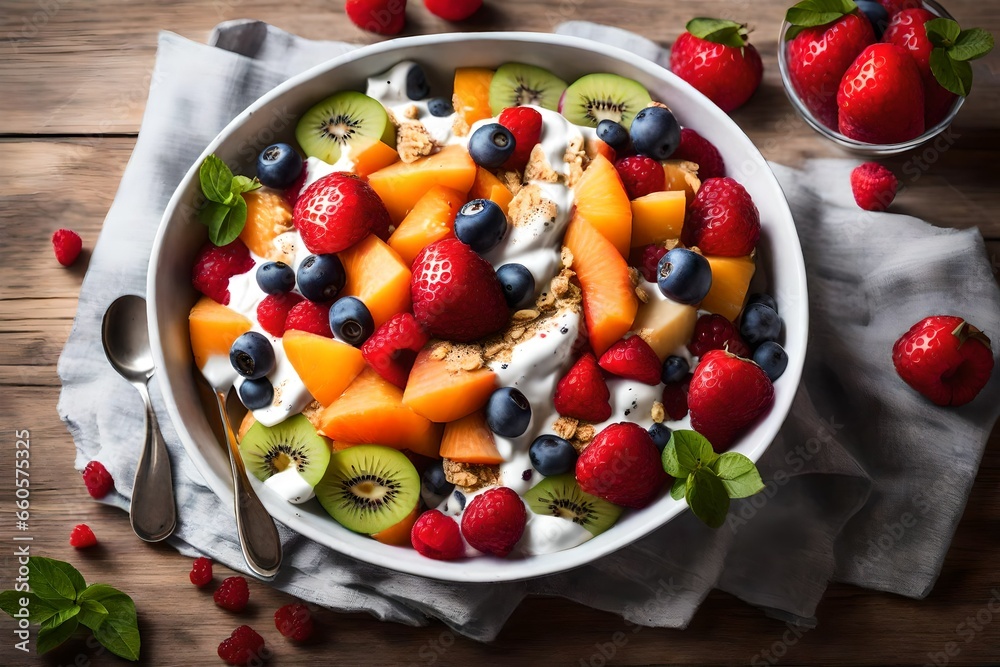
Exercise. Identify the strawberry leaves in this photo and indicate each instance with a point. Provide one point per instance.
(812, 13)
(953, 49)
(718, 31)
(225, 212)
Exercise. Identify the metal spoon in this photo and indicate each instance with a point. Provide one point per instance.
(126, 343)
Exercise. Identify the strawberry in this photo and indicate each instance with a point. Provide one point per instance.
(437, 536)
(456, 294)
(881, 97)
(622, 465)
(649, 260)
(715, 332)
(392, 349)
(641, 175)
(82, 537)
(455, 10)
(675, 398)
(722, 220)
(634, 359)
(215, 265)
(67, 245)
(718, 61)
(273, 309)
(944, 358)
(525, 124)
(893, 7)
(243, 647)
(582, 392)
(696, 148)
(906, 30)
(309, 316)
(727, 395)
(874, 186)
(494, 521)
(383, 17)
(336, 212)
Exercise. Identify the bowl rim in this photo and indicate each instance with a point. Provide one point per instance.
(492, 570)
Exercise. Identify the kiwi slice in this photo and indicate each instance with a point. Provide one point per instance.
(368, 488)
(561, 496)
(345, 119)
(268, 450)
(596, 97)
(517, 84)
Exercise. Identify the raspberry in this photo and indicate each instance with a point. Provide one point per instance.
(454, 10)
(715, 332)
(698, 149)
(650, 260)
(67, 245)
(232, 594)
(242, 647)
(294, 191)
(311, 317)
(294, 621)
(582, 392)
(525, 124)
(437, 536)
(215, 265)
(622, 465)
(494, 521)
(272, 312)
(98, 480)
(82, 537)
(634, 359)
(675, 398)
(874, 186)
(641, 175)
(201, 572)
(391, 350)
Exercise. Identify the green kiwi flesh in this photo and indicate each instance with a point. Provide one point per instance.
(268, 450)
(517, 84)
(561, 496)
(347, 118)
(596, 97)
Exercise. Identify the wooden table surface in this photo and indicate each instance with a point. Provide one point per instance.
(73, 82)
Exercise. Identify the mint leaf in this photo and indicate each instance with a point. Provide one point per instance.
(718, 31)
(52, 635)
(213, 214)
(812, 13)
(707, 497)
(63, 616)
(738, 474)
(693, 450)
(39, 610)
(224, 230)
(954, 75)
(243, 184)
(54, 579)
(679, 488)
(216, 179)
(92, 613)
(119, 633)
(942, 32)
(971, 44)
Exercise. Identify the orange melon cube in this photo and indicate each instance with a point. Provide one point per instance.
(214, 328)
(488, 186)
(378, 276)
(472, 93)
(398, 534)
(601, 200)
(470, 440)
(268, 215)
(373, 157)
(730, 284)
(657, 217)
(401, 185)
(432, 219)
(440, 390)
(371, 411)
(593, 147)
(682, 176)
(326, 366)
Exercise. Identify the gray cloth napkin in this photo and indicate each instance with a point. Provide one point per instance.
(867, 479)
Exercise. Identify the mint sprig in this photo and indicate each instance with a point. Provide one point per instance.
(718, 31)
(812, 13)
(953, 49)
(60, 602)
(225, 212)
(707, 480)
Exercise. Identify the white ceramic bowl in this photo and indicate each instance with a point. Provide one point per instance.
(273, 117)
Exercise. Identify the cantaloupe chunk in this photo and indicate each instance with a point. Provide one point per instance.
(398, 534)
(372, 157)
(609, 300)
(378, 276)
(268, 215)
(432, 219)
(488, 186)
(682, 176)
(471, 98)
(214, 328)
(326, 366)
(371, 411)
(730, 284)
(594, 147)
(470, 440)
(601, 200)
(666, 325)
(657, 217)
(440, 390)
(401, 185)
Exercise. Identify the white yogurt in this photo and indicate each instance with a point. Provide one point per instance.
(544, 534)
(290, 485)
(389, 88)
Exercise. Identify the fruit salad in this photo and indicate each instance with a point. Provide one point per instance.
(469, 321)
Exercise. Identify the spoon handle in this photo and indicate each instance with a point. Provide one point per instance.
(258, 535)
(153, 513)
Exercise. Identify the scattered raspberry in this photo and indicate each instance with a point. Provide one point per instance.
(82, 537)
(874, 186)
(67, 245)
(698, 149)
(456, 10)
(715, 332)
(622, 465)
(525, 124)
(650, 260)
(98, 480)
(641, 175)
(294, 621)
(294, 191)
(675, 398)
(336, 212)
(727, 395)
(582, 392)
(383, 17)
(201, 572)
(437, 536)
(311, 317)
(215, 265)
(634, 359)
(722, 219)
(242, 647)
(233, 594)
(391, 350)
(494, 521)
(272, 312)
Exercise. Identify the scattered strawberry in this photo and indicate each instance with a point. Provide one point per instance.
(201, 572)
(718, 61)
(722, 220)
(437, 536)
(294, 621)
(215, 265)
(874, 186)
(944, 358)
(98, 479)
(582, 392)
(67, 245)
(232, 594)
(393, 347)
(727, 395)
(634, 359)
(456, 10)
(242, 647)
(494, 521)
(649, 261)
(337, 211)
(906, 30)
(641, 175)
(383, 17)
(622, 465)
(881, 97)
(525, 124)
(311, 317)
(715, 332)
(273, 309)
(82, 537)
(456, 294)
(675, 398)
(696, 148)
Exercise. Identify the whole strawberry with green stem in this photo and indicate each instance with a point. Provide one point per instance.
(715, 56)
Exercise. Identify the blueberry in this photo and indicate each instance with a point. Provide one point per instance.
(765, 299)
(321, 277)
(655, 132)
(440, 107)
(660, 435)
(417, 87)
(275, 277)
(877, 16)
(435, 480)
(518, 284)
(460, 497)
(481, 224)
(675, 369)
(772, 358)
(252, 355)
(759, 324)
(491, 145)
(256, 394)
(551, 455)
(613, 134)
(684, 276)
(351, 321)
(278, 166)
(508, 412)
